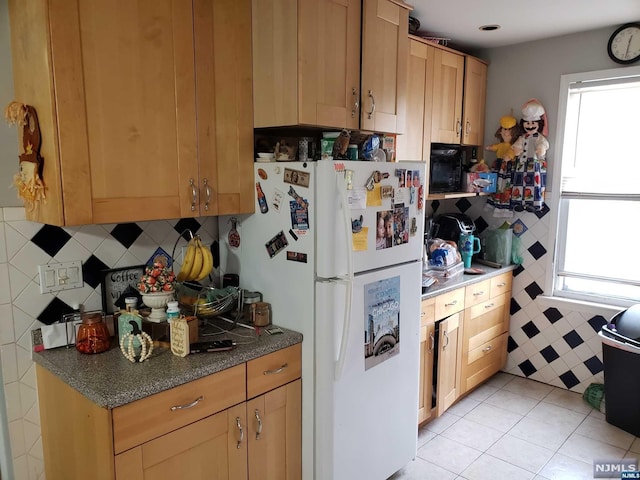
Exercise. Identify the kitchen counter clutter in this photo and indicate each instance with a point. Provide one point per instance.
(466, 279)
(109, 380)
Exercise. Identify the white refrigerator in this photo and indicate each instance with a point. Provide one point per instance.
(337, 252)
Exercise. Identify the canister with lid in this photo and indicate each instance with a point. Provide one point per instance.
(249, 298)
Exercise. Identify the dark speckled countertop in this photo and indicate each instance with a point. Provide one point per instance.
(110, 380)
(464, 280)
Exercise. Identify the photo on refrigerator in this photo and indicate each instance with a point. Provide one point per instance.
(382, 321)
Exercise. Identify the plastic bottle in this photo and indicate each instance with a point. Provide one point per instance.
(173, 311)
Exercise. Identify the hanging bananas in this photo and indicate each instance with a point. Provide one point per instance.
(198, 261)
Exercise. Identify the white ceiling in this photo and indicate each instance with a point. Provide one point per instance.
(520, 21)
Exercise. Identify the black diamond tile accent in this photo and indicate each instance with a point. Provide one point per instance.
(594, 365)
(54, 311)
(126, 233)
(51, 239)
(481, 225)
(533, 289)
(435, 205)
(92, 271)
(569, 379)
(527, 368)
(549, 354)
(184, 224)
(573, 339)
(519, 269)
(530, 329)
(514, 307)
(511, 344)
(537, 250)
(597, 322)
(552, 314)
(463, 205)
(543, 211)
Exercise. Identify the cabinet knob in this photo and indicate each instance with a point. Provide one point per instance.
(194, 194)
(487, 349)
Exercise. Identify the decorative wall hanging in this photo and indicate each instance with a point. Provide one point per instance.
(28, 180)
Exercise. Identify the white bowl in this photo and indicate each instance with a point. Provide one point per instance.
(265, 155)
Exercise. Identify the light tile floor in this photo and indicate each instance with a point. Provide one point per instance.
(518, 429)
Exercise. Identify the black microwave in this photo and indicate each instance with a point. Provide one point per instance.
(445, 171)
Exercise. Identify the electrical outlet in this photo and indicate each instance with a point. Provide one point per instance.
(55, 277)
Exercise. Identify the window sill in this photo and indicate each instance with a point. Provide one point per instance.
(607, 311)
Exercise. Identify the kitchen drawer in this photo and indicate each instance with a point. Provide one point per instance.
(501, 284)
(428, 311)
(449, 303)
(273, 370)
(143, 420)
(477, 293)
(485, 321)
(484, 361)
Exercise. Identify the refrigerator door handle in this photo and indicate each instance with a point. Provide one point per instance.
(341, 183)
(346, 325)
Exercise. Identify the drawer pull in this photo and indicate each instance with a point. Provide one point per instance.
(433, 342)
(502, 284)
(241, 431)
(490, 305)
(487, 349)
(188, 405)
(451, 304)
(475, 294)
(278, 370)
(259, 420)
(422, 314)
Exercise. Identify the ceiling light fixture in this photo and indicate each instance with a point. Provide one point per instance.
(489, 28)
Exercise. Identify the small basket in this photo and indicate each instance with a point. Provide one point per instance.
(206, 302)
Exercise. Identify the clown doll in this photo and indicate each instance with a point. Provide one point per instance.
(530, 172)
(507, 134)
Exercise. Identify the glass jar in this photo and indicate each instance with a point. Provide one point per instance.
(93, 334)
(249, 298)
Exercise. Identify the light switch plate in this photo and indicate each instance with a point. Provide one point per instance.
(55, 277)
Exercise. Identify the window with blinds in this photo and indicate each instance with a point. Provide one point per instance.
(597, 254)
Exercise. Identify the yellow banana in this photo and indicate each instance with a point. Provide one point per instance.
(187, 263)
(197, 260)
(207, 262)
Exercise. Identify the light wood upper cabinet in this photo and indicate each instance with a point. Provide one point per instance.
(475, 93)
(459, 93)
(448, 77)
(306, 63)
(415, 144)
(385, 48)
(130, 98)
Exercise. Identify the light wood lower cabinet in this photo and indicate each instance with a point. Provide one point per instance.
(463, 342)
(205, 429)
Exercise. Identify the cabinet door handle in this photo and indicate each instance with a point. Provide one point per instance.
(422, 314)
(433, 342)
(276, 371)
(194, 194)
(241, 431)
(458, 128)
(207, 192)
(446, 337)
(475, 294)
(468, 129)
(356, 104)
(259, 420)
(188, 405)
(373, 104)
(487, 349)
(501, 284)
(489, 306)
(451, 304)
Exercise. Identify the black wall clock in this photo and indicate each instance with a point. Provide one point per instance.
(624, 44)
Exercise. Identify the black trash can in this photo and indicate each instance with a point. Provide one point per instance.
(621, 357)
